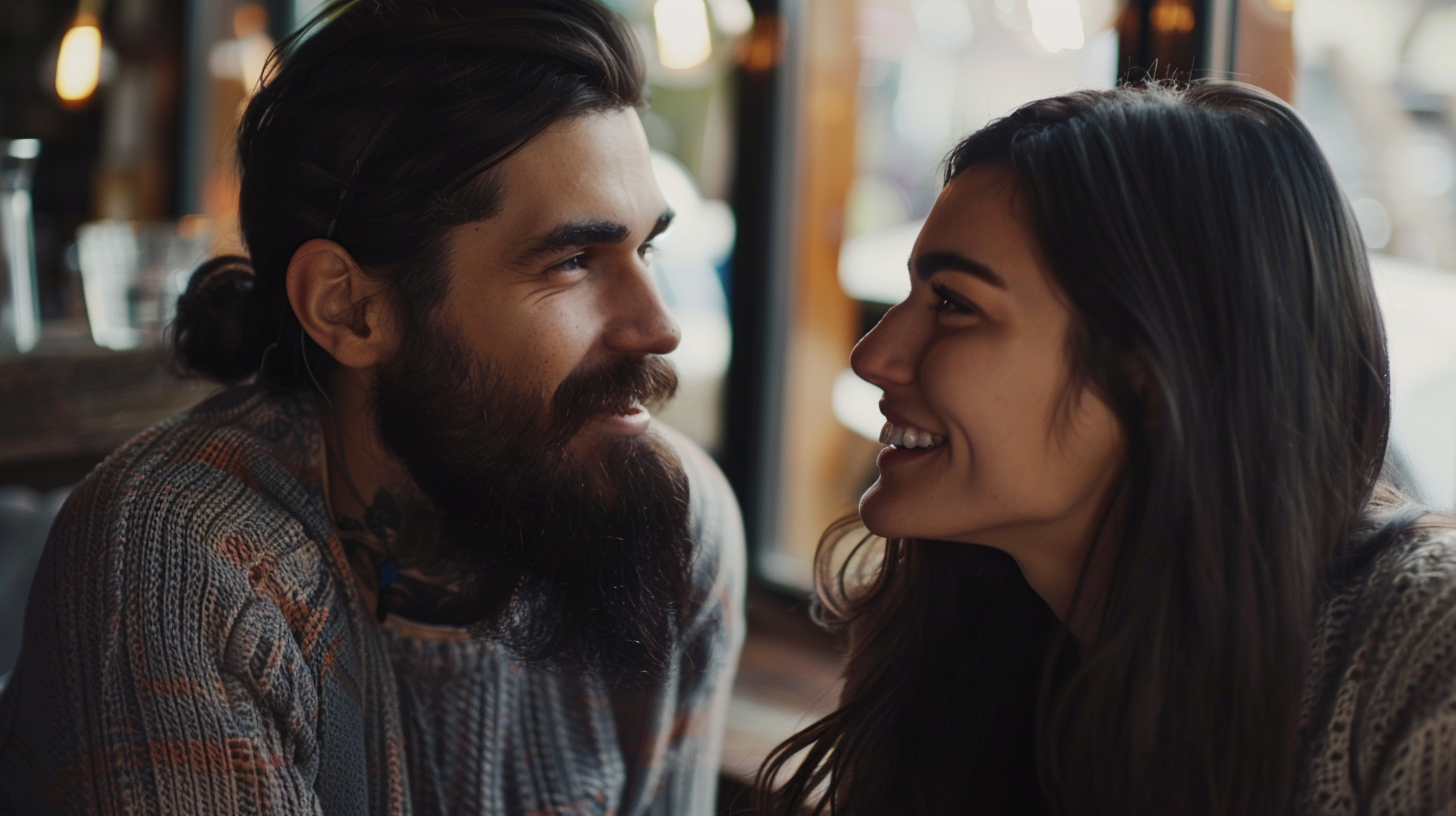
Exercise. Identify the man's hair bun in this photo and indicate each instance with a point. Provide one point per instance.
(215, 334)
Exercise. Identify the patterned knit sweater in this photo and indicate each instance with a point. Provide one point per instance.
(195, 643)
(1380, 706)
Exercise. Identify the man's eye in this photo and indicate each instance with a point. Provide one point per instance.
(647, 250)
(571, 264)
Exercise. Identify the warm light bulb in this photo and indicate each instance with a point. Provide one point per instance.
(1056, 24)
(1172, 16)
(683, 39)
(78, 68)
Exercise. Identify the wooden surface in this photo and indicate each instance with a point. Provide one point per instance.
(76, 404)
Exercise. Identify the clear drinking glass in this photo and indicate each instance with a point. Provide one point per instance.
(132, 273)
(19, 300)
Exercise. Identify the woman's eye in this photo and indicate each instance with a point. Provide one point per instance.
(948, 302)
(647, 250)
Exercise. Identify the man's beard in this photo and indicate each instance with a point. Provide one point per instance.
(576, 567)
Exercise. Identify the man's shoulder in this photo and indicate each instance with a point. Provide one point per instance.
(202, 537)
(238, 466)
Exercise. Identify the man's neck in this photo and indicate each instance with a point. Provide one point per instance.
(389, 531)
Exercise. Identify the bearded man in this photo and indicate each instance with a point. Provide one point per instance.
(427, 553)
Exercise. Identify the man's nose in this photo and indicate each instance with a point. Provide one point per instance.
(640, 322)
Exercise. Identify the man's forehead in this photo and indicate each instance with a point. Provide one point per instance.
(597, 151)
(588, 168)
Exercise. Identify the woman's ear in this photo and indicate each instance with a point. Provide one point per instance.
(1138, 376)
(344, 310)
(1150, 401)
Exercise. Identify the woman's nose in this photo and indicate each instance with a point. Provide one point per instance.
(885, 356)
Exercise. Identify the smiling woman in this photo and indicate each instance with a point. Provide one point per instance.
(976, 357)
(1136, 558)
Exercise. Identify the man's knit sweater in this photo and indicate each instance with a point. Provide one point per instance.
(195, 643)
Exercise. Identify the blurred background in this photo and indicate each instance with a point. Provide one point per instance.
(801, 143)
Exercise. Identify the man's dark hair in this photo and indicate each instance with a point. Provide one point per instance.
(378, 127)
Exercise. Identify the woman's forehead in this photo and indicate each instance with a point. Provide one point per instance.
(983, 214)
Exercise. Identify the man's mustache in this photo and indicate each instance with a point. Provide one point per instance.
(612, 388)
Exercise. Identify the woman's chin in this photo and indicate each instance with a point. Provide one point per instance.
(892, 512)
(884, 515)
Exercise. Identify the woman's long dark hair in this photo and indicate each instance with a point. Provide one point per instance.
(1223, 307)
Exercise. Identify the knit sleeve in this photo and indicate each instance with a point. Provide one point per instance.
(156, 677)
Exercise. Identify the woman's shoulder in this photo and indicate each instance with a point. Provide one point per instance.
(1380, 712)
(1409, 587)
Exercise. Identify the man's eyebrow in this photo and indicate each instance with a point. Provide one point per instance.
(929, 263)
(663, 222)
(585, 233)
(577, 233)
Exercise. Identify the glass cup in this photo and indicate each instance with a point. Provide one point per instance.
(19, 300)
(132, 274)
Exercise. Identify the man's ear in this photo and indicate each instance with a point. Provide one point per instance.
(344, 310)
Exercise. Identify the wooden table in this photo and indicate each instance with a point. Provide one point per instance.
(64, 409)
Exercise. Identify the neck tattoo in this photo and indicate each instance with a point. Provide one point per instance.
(389, 548)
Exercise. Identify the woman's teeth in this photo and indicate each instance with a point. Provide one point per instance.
(908, 437)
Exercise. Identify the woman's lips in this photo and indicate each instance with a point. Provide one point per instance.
(909, 437)
(892, 456)
(903, 433)
(904, 440)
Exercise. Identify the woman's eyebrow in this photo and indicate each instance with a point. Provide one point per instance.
(929, 263)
